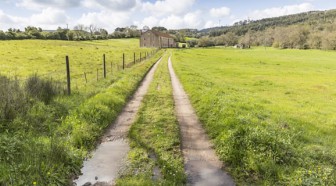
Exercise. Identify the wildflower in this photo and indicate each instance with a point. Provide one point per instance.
(34, 183)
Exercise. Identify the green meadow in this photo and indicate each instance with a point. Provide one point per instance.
(270, 113)
(44, 134)
(46, 58)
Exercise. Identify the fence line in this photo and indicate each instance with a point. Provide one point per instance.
(67, 80)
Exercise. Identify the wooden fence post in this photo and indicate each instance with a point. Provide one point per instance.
(140, 57)
(104, 64)
(68, 74)
(123, 61)
(134, 57)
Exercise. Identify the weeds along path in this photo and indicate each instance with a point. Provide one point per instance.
(201, 164)
(109, 156)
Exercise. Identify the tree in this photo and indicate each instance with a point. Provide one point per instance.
(33, 32)
(246, 40)
(79, 32)
(329, 41)
(103, 33)
(62, 33)
(92, 28)
(205, 42)
(145, 29)
(2, 35)
(160, 29)
(230, 39)
(192, 43)
(315, 40)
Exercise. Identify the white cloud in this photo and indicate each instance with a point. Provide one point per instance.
(210, 24)
(172, 22)
(49, 16)
(280, 11)
(150, 21)
(4, 19)
(38, 4)
(105, 19)
(193, 20)
(115, 5)
(220, 12)
(7, 21)
(189, 20)
(167, 7)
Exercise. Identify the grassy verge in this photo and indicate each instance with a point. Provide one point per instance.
(155, 137)
(47, 143)
(270, 113)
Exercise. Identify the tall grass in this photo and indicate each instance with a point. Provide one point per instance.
(270, 113)
(47, 135)
(12, 99)
(43, 90)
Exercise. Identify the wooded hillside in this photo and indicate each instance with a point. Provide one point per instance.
(315, 30)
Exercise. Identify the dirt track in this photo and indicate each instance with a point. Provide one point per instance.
(110, 155)
(201, 163)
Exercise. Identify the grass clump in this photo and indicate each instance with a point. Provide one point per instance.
(12, 98)
(155, 141)
(43, 90)
(270, 113)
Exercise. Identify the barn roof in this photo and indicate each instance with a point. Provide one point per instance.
(157, 33)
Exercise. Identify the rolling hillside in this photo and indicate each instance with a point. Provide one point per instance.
(312, 18)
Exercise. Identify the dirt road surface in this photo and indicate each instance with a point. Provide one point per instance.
(201, 164)
(110, 155)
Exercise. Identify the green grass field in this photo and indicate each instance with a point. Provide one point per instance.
(270, 113)
(45, 142)
(47, 58)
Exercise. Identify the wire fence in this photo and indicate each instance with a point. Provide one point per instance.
(75, 77)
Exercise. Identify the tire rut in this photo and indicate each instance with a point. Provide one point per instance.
(109, 157)
(201, 163)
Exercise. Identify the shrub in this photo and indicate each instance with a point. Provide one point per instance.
(12, 99)
(43, 90)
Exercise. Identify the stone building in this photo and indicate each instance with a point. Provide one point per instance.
(157, 39)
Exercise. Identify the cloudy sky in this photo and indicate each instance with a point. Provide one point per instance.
(173, 14)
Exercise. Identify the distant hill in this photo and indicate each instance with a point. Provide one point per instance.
(242, 27)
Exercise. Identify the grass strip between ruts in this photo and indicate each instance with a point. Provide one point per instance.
(155, 140)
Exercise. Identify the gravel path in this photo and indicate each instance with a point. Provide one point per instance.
(201, 164)
(110, 155)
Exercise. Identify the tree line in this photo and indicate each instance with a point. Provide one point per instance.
(79, 32)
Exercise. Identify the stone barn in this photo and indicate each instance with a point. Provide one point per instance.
(157, 39)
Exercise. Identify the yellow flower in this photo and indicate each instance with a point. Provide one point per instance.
(34, 183)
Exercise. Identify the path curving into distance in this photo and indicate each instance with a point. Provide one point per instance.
(110, 155)
(201, 163)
